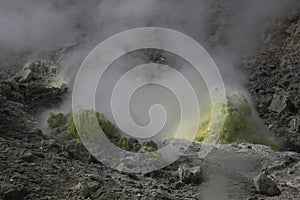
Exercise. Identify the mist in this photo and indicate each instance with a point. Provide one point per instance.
(66, 31)
(226, 28)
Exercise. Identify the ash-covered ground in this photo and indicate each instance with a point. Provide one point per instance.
(36, 165)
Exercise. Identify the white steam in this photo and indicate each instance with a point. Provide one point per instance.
(227, 28)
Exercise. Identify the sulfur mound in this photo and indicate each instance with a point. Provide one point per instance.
(63, 125)
(239, 125)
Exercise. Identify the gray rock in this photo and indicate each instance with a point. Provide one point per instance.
(190, 175)
(5, 89)
(53, 69)
(267, 100)
(295, 124)
(264, 184)
(17, 97)
(284, 83)
(28, 157)
(13, 192)
(280, 104)
(150, 144)
(134, 145)
(2, 100)
(295, 176)
(86, 189)
(16, 117)
(24, 75)
(178, 185)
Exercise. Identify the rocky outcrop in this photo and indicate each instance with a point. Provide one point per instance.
(275, 82)
(31, 89)
(38, 166)
(39, 84)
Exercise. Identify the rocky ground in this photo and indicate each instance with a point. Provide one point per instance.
(274, 81)
(35, 166)
(39, 166)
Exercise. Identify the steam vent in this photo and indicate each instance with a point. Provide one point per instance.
(239, 126)
(110, 99)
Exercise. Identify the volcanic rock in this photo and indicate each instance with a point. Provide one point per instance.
(295, 124)
(32, 91)
(28, 157)
(265, 185)
(86, 189)
(2, 100)
(281, 103)
(192, 175)
(12, 192)
(279, 55)
(295, 173)
(24, 75)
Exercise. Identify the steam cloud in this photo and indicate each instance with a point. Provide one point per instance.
(48, 25)
(32, 29)
(39, 28)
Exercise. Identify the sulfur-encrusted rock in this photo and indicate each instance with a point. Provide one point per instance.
(239, 125)
(63, 125)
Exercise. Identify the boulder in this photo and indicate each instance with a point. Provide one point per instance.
(267, 100)
(281, 104)
(28, 157)
(24, 75)
(86, 189)
(264, 184)
(192, 175)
